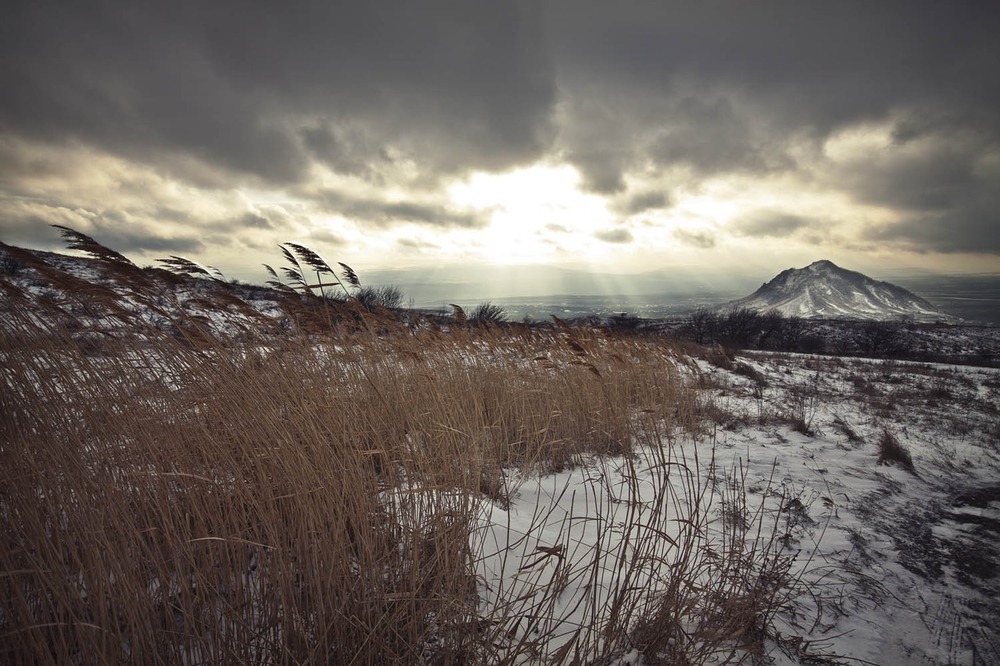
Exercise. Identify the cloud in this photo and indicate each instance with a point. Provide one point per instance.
(972, 229)
(415, 244)
(137, 239)
(259, 94)
(687, 94)
(253, 220)
(178, 118)
(614, 236)
(266, 218)
(29, 223)
(770, 224)
(938, 176)
(709, 137)
(346, 150)
(701, 239)
(327, 236)
(640, 202)
(926, 168)
(384, 213)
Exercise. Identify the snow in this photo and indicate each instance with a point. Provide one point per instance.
(896, 567)
(823, 289)
(887, 566)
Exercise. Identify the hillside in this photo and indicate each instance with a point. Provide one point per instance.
(191, 479)
(823, 290)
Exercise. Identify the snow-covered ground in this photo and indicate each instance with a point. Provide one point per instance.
(886, 565)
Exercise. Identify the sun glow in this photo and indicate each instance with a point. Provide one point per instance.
(537, 213)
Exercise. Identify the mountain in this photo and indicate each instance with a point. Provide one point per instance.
(823, 290)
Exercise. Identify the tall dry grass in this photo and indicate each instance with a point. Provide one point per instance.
(169, 495)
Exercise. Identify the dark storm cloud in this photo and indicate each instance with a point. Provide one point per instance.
(933, 168)
(30, 229)
(264, 218)
(709, 137)
(666, 94)
(815, 66)
(327, 236)
(941, 178)
(123, 235)
(253, 220)
(35, 230)
(253, 89)
(703, 88)
(345, 150)
(973, 228)
(134, 240)
(384, 213)
(28, 222)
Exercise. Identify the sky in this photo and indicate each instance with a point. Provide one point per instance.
(476, 139)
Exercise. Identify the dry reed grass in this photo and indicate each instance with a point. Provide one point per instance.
(171, 496)
(892, 452)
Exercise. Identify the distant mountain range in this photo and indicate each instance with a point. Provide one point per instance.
(824, 290)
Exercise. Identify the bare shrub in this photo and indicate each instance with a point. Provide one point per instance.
(702, 326)
(880, 338)
(10, 265)
(623, 322)
(488, 313)
(389, 297)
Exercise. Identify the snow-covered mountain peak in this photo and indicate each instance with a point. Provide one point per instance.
(824, 290)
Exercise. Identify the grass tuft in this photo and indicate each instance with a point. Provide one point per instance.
(892, 452)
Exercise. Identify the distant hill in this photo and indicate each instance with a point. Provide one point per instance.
(823, 290)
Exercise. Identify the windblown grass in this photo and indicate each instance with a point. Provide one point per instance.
(313, 490)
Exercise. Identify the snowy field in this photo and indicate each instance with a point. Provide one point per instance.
(887, 563)
(568, 494)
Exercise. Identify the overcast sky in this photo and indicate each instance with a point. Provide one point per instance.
(607, 136)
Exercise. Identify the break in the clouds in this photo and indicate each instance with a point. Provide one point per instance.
(722, 127)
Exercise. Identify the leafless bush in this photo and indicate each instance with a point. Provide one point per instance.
(389, 297)
(488, 313)
(623, 322)
(880, 338)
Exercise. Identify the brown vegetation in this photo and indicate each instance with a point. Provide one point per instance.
(308, 488)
